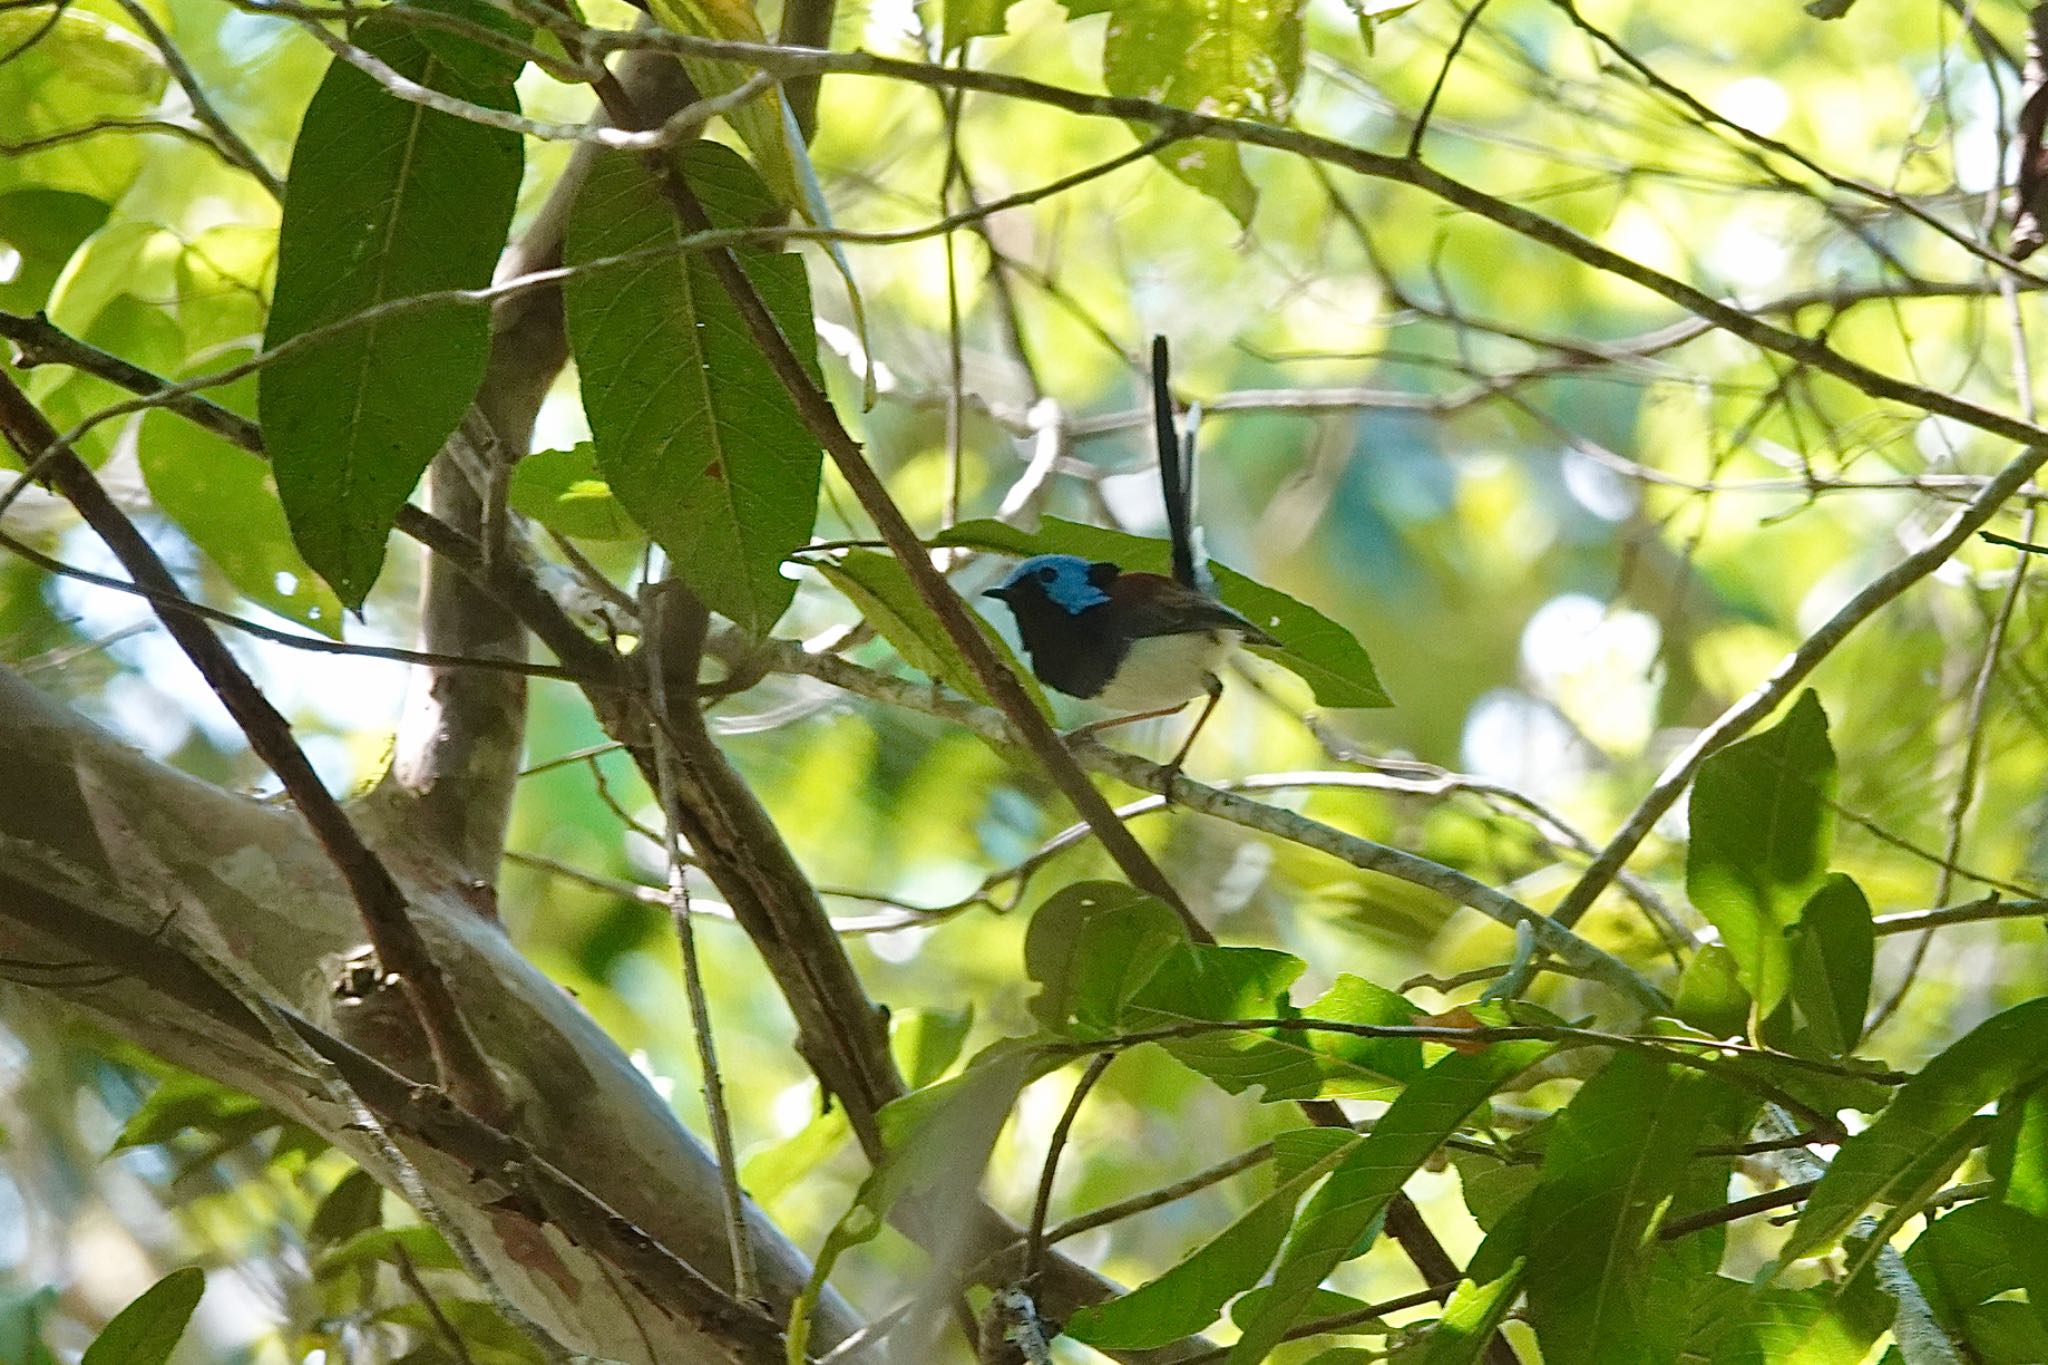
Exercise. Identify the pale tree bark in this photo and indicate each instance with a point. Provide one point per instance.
(166, 887)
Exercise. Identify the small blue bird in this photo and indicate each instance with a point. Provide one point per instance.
(1140, 643)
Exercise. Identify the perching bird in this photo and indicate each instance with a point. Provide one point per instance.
(1140, 643)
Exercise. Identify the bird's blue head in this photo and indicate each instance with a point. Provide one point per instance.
(1068, 582)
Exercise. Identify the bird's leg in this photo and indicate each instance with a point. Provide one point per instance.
(1214, 685)
(1095, 725)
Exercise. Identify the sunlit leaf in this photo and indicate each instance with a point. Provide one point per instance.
(1320, 651)
(759, 121)
(1358, 1190)
(564, 491)
(926, 1042)
(148, 1330)
(1239, 58)
(1736, 1323)
(1998, 1057)
(386, 200)
(1761, 828)
(65, 70)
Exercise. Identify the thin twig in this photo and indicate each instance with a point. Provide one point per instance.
(411, 1275)
(1034, 1239)
(653, 603)
(230, 143)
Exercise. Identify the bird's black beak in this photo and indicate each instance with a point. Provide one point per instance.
(998, 593)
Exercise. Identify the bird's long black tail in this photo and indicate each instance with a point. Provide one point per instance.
(1176, 474)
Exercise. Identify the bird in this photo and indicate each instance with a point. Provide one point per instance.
(1142, 644)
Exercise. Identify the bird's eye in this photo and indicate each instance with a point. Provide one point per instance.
(1048, 574)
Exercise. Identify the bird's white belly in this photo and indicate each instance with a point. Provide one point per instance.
(1166, 670)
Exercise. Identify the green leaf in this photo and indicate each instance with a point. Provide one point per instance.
(2001, 1055)
(1832, 949)
(1205, 983)
(759, 122)
(1091, 947)
(1735, 1323)
(1208, 983)
(1357, 1192)
(1315, 648)
(926, 1042)
(1977, 1254)
(974, 19)
(1237, 58)
(935, 1143)
(354, 1205)
(1618, 1152)
(1762, 824)
(21, 1326)
(422, 1245)
(386, 200)
(1324, 1303)
(190, 1102)
(147, 1330)
(1710, 994)
(1475, 1312)
(565, 491)
(226, 501)
(878, 585)
(65, 69)
(43, 226)
(1189, 1297)
(2019, 1152)
(695, 435)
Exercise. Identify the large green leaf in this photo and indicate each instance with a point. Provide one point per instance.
(1189, 1297)
(1371, 1174)
(1833, 946)
(1616, 1155)
(386, 200)
(1090, 947)
(1323, 653)
(697, 438)
(2002, 1055)
(1240, 58)
(147, 1330)
(879, 586)
(1762, 824)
